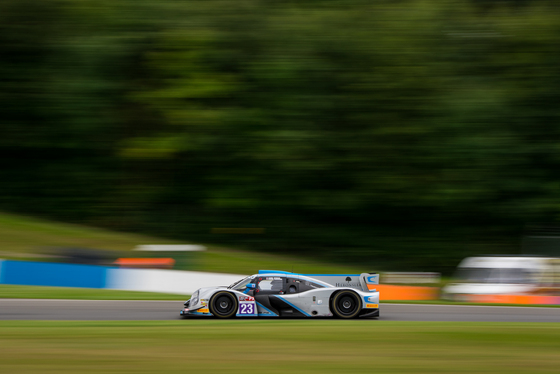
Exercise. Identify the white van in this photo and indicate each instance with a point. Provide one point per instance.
(504, 275)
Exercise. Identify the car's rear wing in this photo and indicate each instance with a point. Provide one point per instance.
(363, 282)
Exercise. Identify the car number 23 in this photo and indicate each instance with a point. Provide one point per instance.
(247, 308)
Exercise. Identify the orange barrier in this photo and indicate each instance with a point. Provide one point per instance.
(390, 292)
(514, 299)
(160, 263)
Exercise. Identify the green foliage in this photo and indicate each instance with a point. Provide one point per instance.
(402, 134)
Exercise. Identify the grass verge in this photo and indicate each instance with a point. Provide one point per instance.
(34, 292)
(27, 238)
(25, 235)
(302, 346)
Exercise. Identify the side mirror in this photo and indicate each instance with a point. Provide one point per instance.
(251, 286)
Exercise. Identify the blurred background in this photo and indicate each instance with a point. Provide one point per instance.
(400, 135)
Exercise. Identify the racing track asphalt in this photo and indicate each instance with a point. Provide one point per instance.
(35, 309)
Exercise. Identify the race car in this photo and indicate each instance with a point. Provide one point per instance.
(273, 293)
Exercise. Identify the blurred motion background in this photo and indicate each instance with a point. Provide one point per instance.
(393, 134)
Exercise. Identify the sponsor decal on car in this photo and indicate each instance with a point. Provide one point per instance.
(246, 298)
(347, 284)
(203, 310)
(374, 306)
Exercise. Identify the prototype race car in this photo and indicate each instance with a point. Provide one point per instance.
(272, 293)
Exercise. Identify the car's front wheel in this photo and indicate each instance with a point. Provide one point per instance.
(346, 304)
(223, 305)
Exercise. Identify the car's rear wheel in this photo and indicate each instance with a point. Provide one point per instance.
(223, 305)
(346, 304)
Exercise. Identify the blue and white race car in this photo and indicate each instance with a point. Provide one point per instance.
(272, 293)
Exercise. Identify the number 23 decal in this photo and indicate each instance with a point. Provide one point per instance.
(247, 309)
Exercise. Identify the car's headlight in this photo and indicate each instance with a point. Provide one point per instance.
(194, 299)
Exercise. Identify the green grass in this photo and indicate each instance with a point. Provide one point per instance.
(279, 346)
(247, 262)
(27, 238)
(35, 292)
(22, 235)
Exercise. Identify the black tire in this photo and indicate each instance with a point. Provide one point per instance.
(346, 304)
(223, 305)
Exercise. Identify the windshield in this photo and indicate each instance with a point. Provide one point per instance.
(494, 275)
(241, 284)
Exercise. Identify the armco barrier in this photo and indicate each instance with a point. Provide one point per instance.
(151, 280)
(91, 276)
(186, 282)
(51, 274)
(167, 281)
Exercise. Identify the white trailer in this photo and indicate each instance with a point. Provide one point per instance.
(504, 275)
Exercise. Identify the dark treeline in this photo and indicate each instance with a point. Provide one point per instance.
(395, 134)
